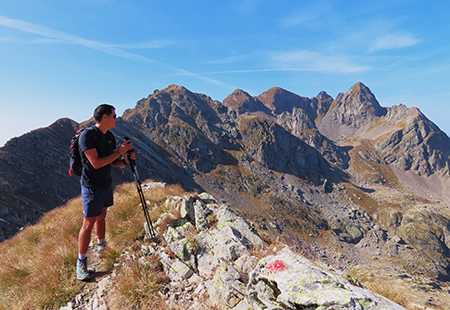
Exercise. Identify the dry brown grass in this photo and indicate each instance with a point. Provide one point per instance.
(138, 286)
(37, 269)
(125, 221)
(396, 289)
(38, 263)
(393, 290)
(400, 293)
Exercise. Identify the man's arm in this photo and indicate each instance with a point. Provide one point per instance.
(113, 158)
(99, 162)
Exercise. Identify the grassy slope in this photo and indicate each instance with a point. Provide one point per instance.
(37, 267)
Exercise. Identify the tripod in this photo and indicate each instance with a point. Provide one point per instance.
(141, 195)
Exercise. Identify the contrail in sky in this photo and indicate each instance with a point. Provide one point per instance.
(99, 46)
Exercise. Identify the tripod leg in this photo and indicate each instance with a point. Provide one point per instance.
(145, 209)
(142, 198)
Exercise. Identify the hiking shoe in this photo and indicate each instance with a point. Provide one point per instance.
(101, 249)
(82, 271)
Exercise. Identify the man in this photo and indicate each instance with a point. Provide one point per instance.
(98, 152)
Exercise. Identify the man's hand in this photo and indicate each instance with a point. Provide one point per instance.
(125, 147)
(128, 157)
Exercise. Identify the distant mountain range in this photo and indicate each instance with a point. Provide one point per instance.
(353, 184)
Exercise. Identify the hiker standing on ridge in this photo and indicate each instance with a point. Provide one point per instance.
(98, 151)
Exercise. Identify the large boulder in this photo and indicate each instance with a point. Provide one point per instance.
(290, 281)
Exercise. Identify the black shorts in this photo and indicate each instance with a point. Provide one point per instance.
(95, 199)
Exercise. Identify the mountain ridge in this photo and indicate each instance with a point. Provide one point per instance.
(343, 178)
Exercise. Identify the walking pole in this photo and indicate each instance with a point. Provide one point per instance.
(141, 194)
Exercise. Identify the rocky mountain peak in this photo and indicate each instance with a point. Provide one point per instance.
(321, 104)
(322, 95)
(242, 102)
(351, 112)
(360, 98)
(279, 100)
(237, 99)
(176, 89)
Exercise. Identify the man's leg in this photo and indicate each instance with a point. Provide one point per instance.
(84, 236)
(94, 216)
(100, 225)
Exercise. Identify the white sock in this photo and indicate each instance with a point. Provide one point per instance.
(81, 256)
(101, 241)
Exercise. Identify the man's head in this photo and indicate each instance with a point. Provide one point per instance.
(103, 109)
(105, 117)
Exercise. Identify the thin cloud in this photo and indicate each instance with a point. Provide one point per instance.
(47, 32)
(110, 49)
(256, 70)
(313, 61)
(145, 45)
(297, 19)
(301, 60)
(245, 6)
(67, 38)
(7, 40)
(227, 60)
(32, 41)
(393, 41)
(309, 13)
(181, 72)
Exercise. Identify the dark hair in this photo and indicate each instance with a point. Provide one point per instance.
(102, 110)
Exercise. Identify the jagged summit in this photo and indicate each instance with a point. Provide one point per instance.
(361, 94)
(320, 104)
(236, 99)
(279, 100)
(242, 102)
(351, 112)
(175, 89)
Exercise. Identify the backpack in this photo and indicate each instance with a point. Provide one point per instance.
(75, 166)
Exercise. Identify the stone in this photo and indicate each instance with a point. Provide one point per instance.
(296, 282)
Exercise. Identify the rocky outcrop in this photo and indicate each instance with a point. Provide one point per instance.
(301, 125)
(428, 230)
(320, 104)
(212, 259)
(264, 141)
(288, 279)
(418, 145)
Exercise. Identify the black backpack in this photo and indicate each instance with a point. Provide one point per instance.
(75, 166)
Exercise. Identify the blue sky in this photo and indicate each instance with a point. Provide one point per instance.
(63, 58)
